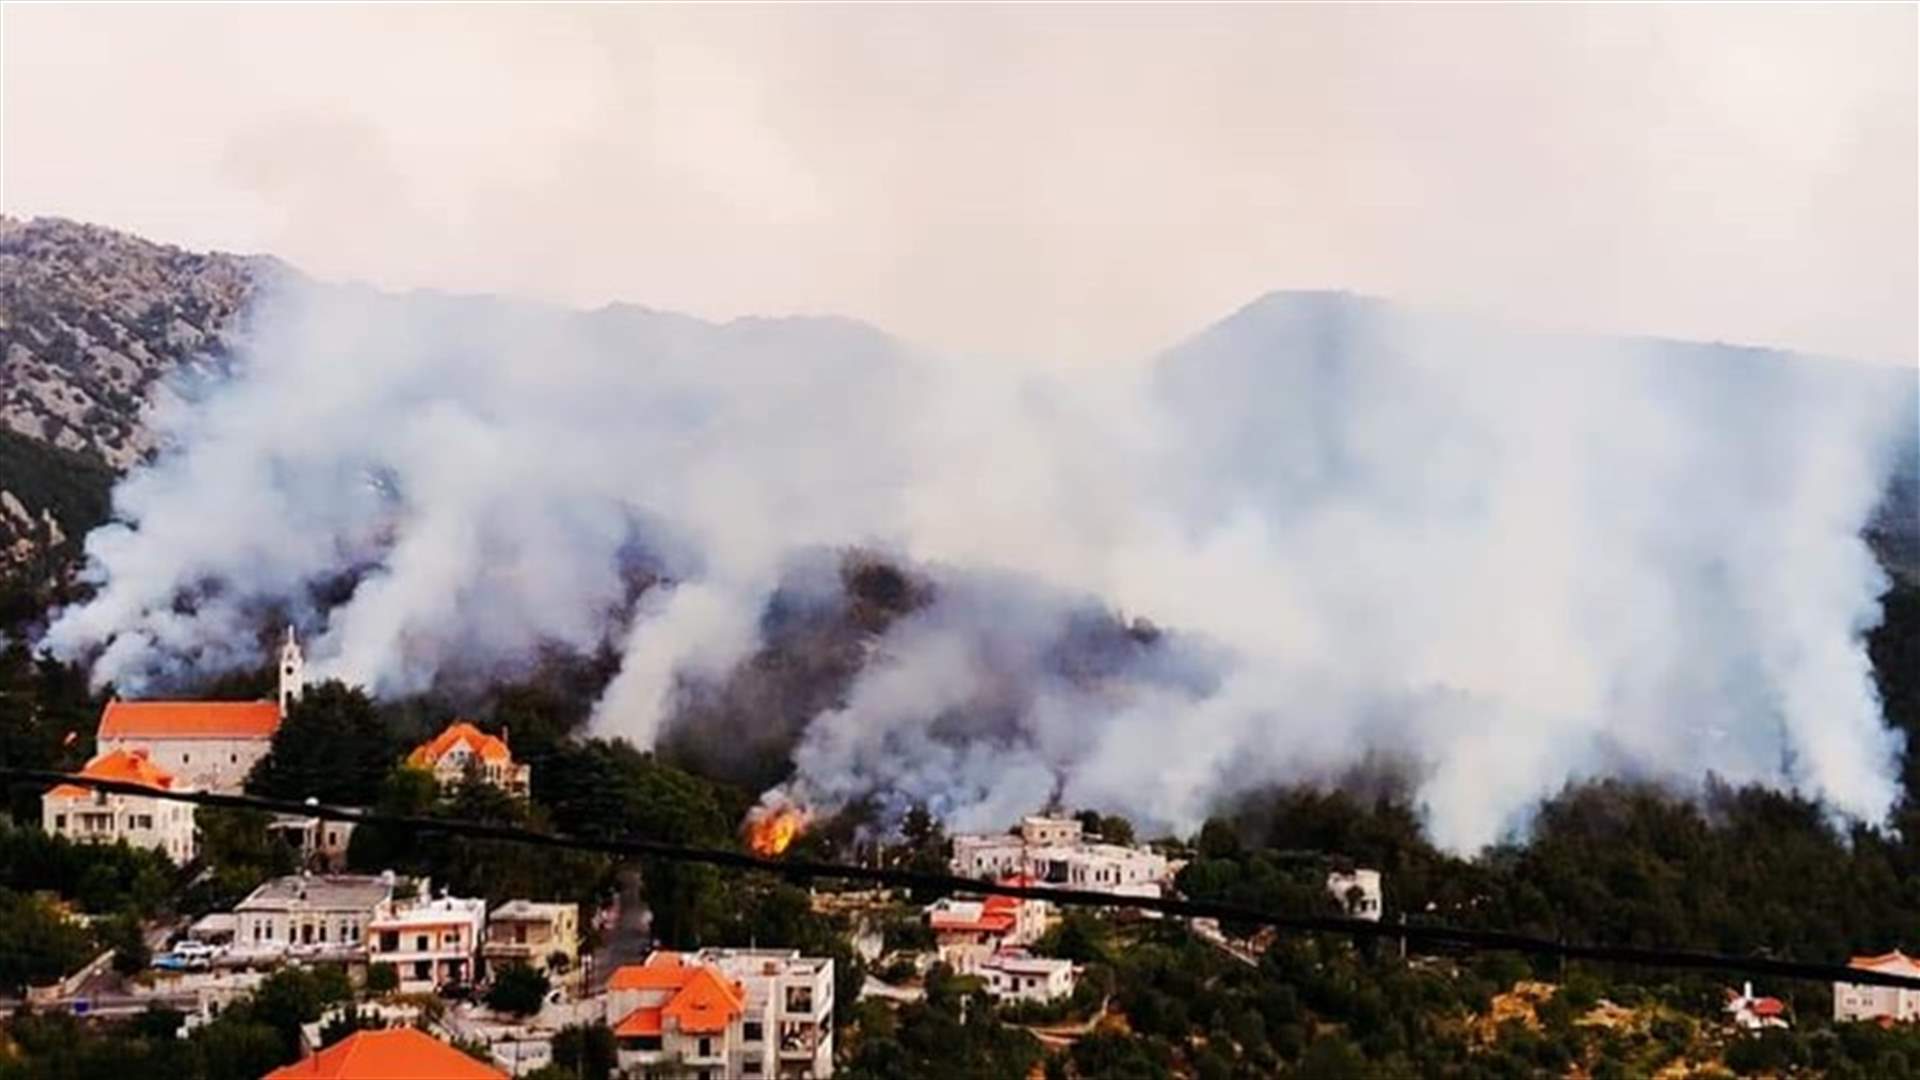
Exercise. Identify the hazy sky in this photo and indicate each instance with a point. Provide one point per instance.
(1045, 182)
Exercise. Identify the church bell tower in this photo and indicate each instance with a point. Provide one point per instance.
(293, 673)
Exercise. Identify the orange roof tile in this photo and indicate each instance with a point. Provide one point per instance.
(638, 1023)
(703, 1001)
(130, 766)
(706, 1004)
(394, 1054)
(189, 720)
(489, 747)
(664, 970)
(1896, 958)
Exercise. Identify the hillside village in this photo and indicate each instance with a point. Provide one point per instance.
(142, 936)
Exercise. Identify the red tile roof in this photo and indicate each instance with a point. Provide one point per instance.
(488, 747)
(998, 914)
(1768, 1006)
(706, 1004)
(638, 1023)
(704, 1001)
(1896, 958)
(664, 970)
(394, 1054)
(189, 720)
(131, 766)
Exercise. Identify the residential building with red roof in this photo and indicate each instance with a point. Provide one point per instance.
(91, 816)
(208, 745)
(1857, 1001)
(1751, 1013)
(725, 1013)
(463, 751)
(393, 1054)
(968, 931)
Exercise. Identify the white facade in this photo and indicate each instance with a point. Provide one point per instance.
(725, 1013)
(1018, 976)
(90, 816)
(1860, 1001)
(1357, 892)
(428, 944)
(789, 1002)
(207, 764)
(1052, 851)
(323, 914)
(292, 674)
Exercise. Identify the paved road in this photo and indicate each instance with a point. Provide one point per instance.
(630, 938)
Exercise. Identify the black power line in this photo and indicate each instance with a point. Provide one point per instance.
(1430, 936)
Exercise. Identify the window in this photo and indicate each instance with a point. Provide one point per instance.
(146, 821)
(519, 933)
(799, 999)
(422, 969)
(233, 759)
(752, 1031)
(420, 943)
(390, 941)
(59, 821)
(706, 1047)
(750, 1065)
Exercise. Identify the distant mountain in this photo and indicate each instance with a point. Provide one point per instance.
(1302, 396)
(93, 320)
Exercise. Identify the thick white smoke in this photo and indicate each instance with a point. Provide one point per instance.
(1512, 559)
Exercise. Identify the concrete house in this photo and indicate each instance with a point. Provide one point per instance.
(1053, 851)
(725, 1013)
(1859, 1001)
(327, 915)
(537, 935)
(1016, 975)
(967, 932)
(428, 944)
(90, 816)
(463, 751)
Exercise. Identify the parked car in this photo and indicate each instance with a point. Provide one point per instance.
(186, 956)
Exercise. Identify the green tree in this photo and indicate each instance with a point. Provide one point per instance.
(124, 936)
(518, 989)
(587, 1051)
(332, 747)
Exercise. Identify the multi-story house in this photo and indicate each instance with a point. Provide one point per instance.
(1861, 1001)
(324, 914)
(208, 745)
(1052, 851)
(725, 1013)
(464, 752)
(430, 943)
(545, 937)
(966, 932)
(89, 815)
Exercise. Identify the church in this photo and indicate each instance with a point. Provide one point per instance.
(207, 745)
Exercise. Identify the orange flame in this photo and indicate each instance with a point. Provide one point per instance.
(770, 829)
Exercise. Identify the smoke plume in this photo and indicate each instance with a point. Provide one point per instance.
(1511, 558)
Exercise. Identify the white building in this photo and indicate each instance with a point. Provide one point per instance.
(322, 843)
(323, 914)
(1052, 851)
(1860, 1001)
(209, 745)
(91, 816)
(430, 943)
(725, 1013)
(1015, 975)
(1357, 892)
